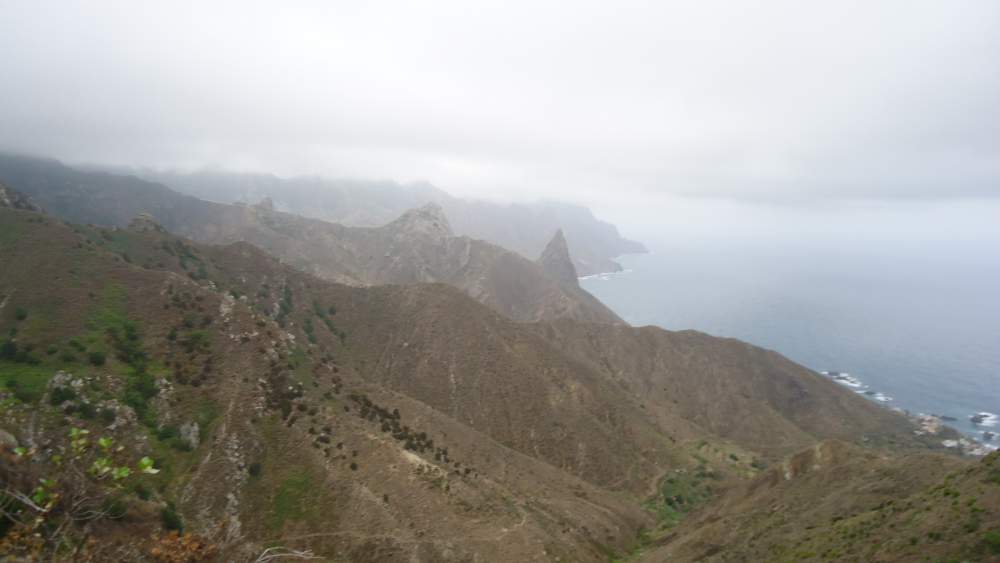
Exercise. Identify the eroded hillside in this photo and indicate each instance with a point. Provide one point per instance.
(152, 384)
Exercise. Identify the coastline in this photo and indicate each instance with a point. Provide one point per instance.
(973, 432)
(608, 275)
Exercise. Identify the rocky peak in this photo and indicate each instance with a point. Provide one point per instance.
(9, 197)
(144, 222)
(556, 262)
(427, 220)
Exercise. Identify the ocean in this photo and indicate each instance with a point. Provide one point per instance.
(912, 327)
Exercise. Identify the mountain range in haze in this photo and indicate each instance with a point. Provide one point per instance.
(523, 228)
(287, 385)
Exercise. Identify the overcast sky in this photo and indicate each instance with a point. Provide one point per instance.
(788, 102)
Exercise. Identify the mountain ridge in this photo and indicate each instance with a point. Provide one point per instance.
(523, 227)
(409, 249)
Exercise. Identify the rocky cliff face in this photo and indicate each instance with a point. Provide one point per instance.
(428, 223)
(556, 262)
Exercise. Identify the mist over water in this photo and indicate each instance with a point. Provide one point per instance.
(918, 323)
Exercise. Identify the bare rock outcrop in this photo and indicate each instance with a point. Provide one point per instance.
(556, 261)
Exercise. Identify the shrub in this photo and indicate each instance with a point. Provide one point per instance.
(20, 313)
(992, 540)
(142, 491)
(255, 469)
(167, 432)
(170, 519)
(86, 410)
(97, 358)
(196, 341)
(22, 393)
(60, 395)
(108, 415)
(8, 349)
(179, 445)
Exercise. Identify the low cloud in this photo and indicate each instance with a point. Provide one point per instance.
(784, 102)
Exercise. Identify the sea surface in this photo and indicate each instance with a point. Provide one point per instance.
(914, 327)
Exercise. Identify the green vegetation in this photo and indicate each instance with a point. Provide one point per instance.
(97, 358)
(12, 351)
(10, 232)
(86, 411)
(27, 388)
(170, 519)
(992, 541)
(206, 412)
(196, 341)
(171, 436)
(60, 395)
(681, 492)
(110, 311)
(291, 501)
(324, 315)
(310, 330)
(125, 339)
(86, 484)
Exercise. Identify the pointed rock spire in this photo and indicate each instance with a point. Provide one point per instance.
(556, 262)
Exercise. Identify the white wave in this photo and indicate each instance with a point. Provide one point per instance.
(985, 419)
(604, 276)
(845, 379)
